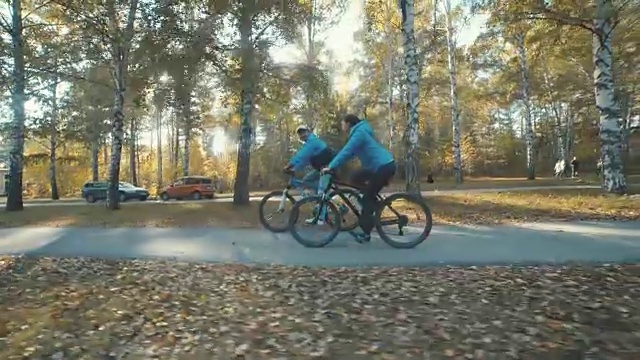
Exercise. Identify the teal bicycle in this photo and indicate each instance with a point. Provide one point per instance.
(403, 221)
(285, 202)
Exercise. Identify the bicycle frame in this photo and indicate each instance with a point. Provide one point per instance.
(293, 183)
(333, 184)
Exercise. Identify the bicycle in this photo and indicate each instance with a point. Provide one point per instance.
(286, 198)
(333, 216)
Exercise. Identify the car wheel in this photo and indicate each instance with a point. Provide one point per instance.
(90, 199)
(196, 195)
(164, 196)
(122, 197)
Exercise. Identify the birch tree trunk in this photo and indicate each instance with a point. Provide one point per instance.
(159, 178)
(455, 112)
(121, 42)
(16, 153)
(613, 179)
(187, 135)
(241, 186)
(53, 130)
(556, 109)
(528, 122)
(310, 119)
(390, 84)
(132, 152)
(411, 65)
(95, 162)
(105, 154)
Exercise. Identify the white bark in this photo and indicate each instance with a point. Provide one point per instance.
(412, 78)
(16, 153)
(390, 84)
(53, 132)
(613, 179)
(121, 41)
(528, 122)
(159, 149)
(455, 112)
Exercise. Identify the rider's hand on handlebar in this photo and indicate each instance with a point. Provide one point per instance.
(287, 169)
(326, 171)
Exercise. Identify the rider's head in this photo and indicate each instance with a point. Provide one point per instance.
(303, 132)
(349, 121)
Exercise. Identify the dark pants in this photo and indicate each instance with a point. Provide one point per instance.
(373, 182)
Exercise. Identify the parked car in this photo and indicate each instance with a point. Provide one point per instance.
(93, 191)
(189, 187)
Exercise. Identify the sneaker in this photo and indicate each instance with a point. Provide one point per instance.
(312, 221)
(360, 237)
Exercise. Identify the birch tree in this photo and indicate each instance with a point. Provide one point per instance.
(18, 98)
(455, 112)
(249, 69)
(600, 20)
(256, 21)
(526, 100)
(412, 77)
(121, 37)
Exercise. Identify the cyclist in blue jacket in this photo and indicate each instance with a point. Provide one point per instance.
(377, 168)
(315, 153)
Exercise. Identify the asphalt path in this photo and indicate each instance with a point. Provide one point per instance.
(533, 243)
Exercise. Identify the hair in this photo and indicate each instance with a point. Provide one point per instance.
(351, 120)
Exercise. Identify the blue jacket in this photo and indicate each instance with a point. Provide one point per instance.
(314, 152)
(365, 147)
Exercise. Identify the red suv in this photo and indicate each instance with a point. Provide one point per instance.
(189, 187)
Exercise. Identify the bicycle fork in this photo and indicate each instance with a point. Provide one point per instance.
(283, 201)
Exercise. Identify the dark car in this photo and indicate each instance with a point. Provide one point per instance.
(97, 190)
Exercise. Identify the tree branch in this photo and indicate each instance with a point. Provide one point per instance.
(561, 18)
(36, 9)
(265, 28)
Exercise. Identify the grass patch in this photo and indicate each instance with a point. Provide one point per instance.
(483, 208)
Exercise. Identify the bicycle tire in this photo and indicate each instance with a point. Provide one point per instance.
(412, 198)
(295, 215)
(261, 212)
(347, 193)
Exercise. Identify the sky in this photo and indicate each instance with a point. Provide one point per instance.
(340, 40)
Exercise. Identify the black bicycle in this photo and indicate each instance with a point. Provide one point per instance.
(385, 214)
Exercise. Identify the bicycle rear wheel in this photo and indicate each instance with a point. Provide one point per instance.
(312, 227)
(277, 219)
(396, 212)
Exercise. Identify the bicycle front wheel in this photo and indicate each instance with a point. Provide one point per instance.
(403, 220)
(274, 212)
(314, 222)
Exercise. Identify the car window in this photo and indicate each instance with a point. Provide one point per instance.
(88, 185)
(191, 181)
(207, 181)
(126, 185)
(178, 182)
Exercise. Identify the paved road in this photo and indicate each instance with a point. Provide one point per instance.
(72, 202)
(448, 245)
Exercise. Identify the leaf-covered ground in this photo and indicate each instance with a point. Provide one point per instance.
(91, 309)
(483, 208)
